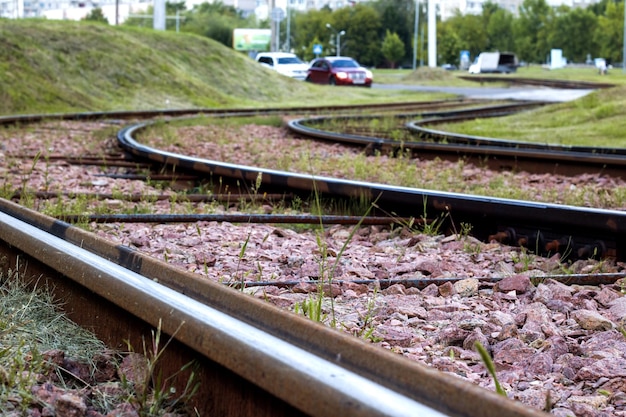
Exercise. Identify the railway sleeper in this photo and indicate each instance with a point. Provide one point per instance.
(546, 244)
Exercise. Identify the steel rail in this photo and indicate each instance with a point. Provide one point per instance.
(236, 218)
(221, 112)
(502, 153)
(417, 127)
(570, 159)
(318, 371)
(585, 230)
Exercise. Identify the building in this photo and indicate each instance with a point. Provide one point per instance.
(78, 9)
(72, 9)
(263, 7)
(121, 9)
(448, 8)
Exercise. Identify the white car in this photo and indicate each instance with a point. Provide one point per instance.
(284, 63)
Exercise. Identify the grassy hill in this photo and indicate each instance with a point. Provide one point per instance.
(80, 66)
(67, 66)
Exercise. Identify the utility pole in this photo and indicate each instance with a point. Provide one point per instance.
(288, 41)
(415, 34)
(274, 26)
(432, 34)
(338, 35)
(159, 15)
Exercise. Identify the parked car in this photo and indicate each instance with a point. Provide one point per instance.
(284, 63)
(339, 70)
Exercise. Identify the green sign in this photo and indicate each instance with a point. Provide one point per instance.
(252, 39)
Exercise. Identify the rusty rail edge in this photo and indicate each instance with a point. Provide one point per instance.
(331, 373)
(238, 218)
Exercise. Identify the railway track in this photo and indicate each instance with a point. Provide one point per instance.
(253, 360)
(543, 228)
(237, 338)
(424, 141)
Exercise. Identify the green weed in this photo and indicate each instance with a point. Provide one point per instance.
(491, 368)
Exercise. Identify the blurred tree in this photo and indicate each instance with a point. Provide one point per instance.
(96, 15)
(573, 29)
(532, 30)
(361, 41)
(216, 21)
(309, 29)
(500, 31)
(392, 48)
(598, 8)
(470, 33)
(448, 43)
(398, 16)
(609, 34)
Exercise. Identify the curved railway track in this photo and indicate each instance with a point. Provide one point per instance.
(258, 360)
(543, 228)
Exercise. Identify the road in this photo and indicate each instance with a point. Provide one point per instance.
(502, 93)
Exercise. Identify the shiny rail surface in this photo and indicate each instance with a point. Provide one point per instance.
(254, 359)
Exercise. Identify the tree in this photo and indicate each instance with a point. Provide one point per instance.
(532, 29)
(470, 33)
(500, 35)
(309, 29)
(215, 20)
(572, 33)
(392, 48)
(96, 15)
(609, 34)
(448, 43)
(398, 16)
(362, 40)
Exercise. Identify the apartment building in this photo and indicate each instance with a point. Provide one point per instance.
(447, 8)
(72, 9)
(121, 9)
(77, 9)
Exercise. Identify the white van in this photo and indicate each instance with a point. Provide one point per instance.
(284, 63)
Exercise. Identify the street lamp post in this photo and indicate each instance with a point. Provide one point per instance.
(415, 34)
(624, 43)
(338, 35)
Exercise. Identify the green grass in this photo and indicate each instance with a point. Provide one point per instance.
(593, 120)
(423, 76)
(439, 76)
(64, 66)
(577, 73)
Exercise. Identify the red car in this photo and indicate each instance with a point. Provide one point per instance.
(338, 70)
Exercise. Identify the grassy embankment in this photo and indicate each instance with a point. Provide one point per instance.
(594, 120)
(60, 66)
